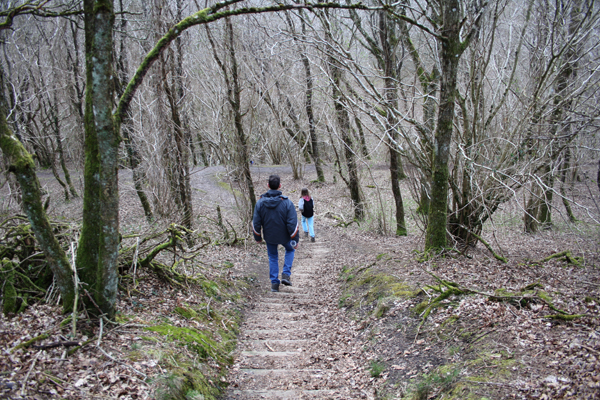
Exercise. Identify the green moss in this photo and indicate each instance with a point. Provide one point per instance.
(9, 302)
(187, 313)
(440, 381)
(382, 307)
(376, 367)
(380, 256)
(342, 300)
(544, 296)
(210, 288)
(226, 186)
(201, 342)
(362, 286)
(136, 355)
(199, 377)
(188, 384)
(403, 290)
(122, 318)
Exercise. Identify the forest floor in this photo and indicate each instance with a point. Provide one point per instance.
(365, 311)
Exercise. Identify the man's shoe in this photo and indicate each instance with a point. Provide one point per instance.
(305, 234)
(274, 287)
(312, 238)
(286, 279)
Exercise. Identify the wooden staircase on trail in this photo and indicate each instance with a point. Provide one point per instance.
(289, 342)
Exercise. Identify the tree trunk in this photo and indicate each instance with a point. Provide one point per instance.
(89, 241)
(309, 111)
(545, 209)
(361, 138)
(202, 150)
(563, 179)
(233, 91)
(236, 105)
(532, 210)
(429, 82)
(22, 165)
(391, 97)
(133, 156)
(182, 172)
(452, 48)
(98, 249)
(108, 148)
(344, 126)
(561, 114)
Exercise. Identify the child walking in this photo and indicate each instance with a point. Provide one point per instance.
(306, 206)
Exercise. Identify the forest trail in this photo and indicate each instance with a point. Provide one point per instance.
(297, 344)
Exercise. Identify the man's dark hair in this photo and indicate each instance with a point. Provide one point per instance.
(274, 182)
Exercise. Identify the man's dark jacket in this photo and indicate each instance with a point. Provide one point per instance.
(276, 216)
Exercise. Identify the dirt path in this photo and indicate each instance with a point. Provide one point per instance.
(297, 344)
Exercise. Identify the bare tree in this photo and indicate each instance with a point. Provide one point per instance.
(231, 77)
(383, 45)
(341, 106)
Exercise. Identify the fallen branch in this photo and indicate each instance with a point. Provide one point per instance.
(341, 220)
(447, 289)
(564, 256)
(487, 245)
(121, 362)
(30, 342)
(24, 385)
(56, 344)
(565, 317)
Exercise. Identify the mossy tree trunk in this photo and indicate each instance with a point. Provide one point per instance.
(87, 250)
(429, 84)
(98, 247)
(22, 165)
(451, 50)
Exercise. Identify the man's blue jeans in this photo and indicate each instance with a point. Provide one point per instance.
(310, 228)
(274, 261)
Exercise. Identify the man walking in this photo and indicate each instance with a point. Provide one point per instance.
(276, 215)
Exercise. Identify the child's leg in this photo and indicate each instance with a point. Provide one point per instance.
(311, 228)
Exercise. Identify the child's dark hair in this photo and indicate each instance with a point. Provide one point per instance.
(304, 193)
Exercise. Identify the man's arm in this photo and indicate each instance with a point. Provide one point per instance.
(292, 222)
(257, 224)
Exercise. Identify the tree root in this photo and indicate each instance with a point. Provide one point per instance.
(447, 289)
(30, 342)
(341, 220)
(563, 256)
(565, 317)
(487, 246)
